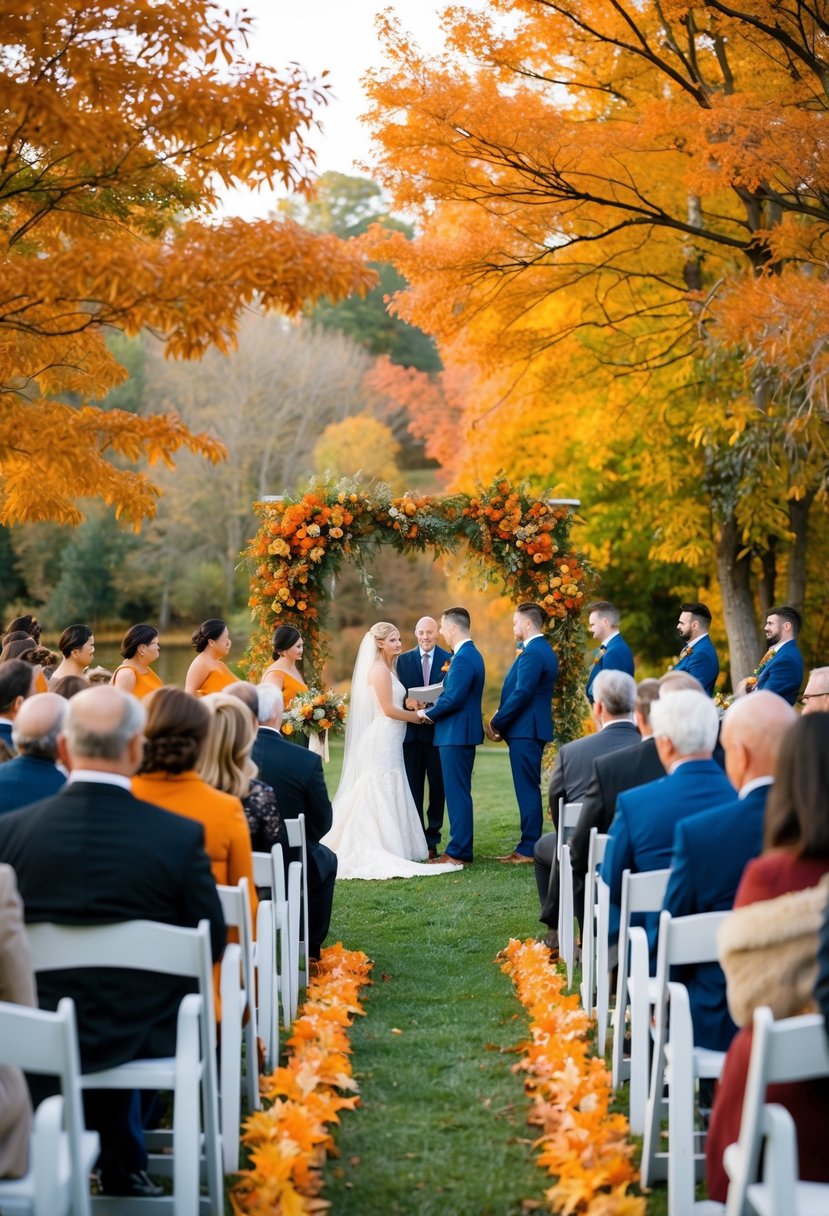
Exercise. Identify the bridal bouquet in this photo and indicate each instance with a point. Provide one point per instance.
(314, 712)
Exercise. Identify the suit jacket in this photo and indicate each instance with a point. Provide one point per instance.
(457, 711)
(618, 656)
(6, 735)
(27, 779)
(94, 854)
(410, 675)
(784, 673)
(573, 766)
(702, 663)
(17, 985)
(642, 831)
(525, 709)
(619, 770)
(710, 852)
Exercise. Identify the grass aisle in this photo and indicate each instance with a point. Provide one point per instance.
(442, 1127)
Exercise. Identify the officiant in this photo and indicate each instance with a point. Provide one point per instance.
(418, 668)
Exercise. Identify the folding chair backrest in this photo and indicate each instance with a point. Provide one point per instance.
(297, 839)
(262, 869)
(595, 855)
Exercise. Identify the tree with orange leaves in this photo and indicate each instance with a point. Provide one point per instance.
(120, 123)
(624, 221)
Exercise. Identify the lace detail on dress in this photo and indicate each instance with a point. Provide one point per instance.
(264, 819)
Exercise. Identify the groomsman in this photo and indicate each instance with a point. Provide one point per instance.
(698, 656)
(419, 667)
(613, 652)
(524, 719)
(459, 729)
(781, 668)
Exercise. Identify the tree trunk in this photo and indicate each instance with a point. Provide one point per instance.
(767, 582)
(799, 524)
(734, 574)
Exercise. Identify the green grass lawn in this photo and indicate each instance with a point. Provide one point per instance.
(442, 1126)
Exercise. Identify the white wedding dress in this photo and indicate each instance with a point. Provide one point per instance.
(376, 832)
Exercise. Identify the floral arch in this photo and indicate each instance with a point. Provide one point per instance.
(512, 538)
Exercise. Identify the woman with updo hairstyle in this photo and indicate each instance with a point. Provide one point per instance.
(139, 649)
(208, 672)
(27, 624)
(226, 764)
(284, 672)
(77, 645)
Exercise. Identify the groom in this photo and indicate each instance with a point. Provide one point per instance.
(422, 666)
(458, 730)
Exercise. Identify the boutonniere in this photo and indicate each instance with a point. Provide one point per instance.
(684, 652)
(767, 658)
(445, 667)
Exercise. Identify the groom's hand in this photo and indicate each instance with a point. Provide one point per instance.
(421, 713)
(490, 733)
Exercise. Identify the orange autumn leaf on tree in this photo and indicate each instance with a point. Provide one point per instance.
(120, 124)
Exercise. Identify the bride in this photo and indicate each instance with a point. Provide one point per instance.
(376, 831)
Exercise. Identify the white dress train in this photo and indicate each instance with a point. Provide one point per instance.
(376, 831)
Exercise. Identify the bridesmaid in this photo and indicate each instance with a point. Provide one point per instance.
(208, 672)
(140, 648)
(284, 673)
(77, 645)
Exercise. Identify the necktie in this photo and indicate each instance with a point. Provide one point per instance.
(426, 664)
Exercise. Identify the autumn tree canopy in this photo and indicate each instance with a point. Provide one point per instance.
(120, 123)
(624, 214)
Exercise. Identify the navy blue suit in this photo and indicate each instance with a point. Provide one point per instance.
(6, 734)
(784, 673)
(701, 663)
(458, 731)
(27, 779)
(524, 718)
(420, 756)
(642, 831)
(711, 850)
(617, 656)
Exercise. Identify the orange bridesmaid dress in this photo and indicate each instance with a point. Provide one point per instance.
(217, 679)
(145, 681)
(290, 688)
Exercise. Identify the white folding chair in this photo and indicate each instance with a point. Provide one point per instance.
(641, 892)
(297, 839)
(780, 1192)
(568, 818)
(683, 941)
(605, 962)
(793, 1049)
(143, 945)
(595, 856)
(286, 900)
(60, 1161)
(237, 987)
(265, 960)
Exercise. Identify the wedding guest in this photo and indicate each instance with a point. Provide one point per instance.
(69, 686)
(698, 656)
(822, 984)
(712, 849)
(781, 668)
(27, 624)
(613, 653)
(17, 682)
(417, 668)
(139, 650)
(226, 765)
(33, 773)
(208, 672)
(77, 645)
(17, 985)
(525, 719)
(768, 947)
(17, 648)
(815, 697)
(97, 675)
(44, 663)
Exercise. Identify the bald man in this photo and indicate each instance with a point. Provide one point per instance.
(93, 853)
(415, 668)
(815, 698)
(711, 849)
(33, 773)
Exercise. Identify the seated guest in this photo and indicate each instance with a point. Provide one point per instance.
(77, 645)
(815, 697)
(227, 766)
(711, 849)
(92, 854)
(40, 658)
(95, 675)
(17, 985)
(17, 682)
(27, 624)
(822, 985)
(768, 946)
(68, 686)
(299, 783)
(685, 726)
(614, 694)
(17, 648)
(33, 773)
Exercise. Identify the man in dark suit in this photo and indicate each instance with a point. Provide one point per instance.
(711, 849)
(417, 668)
(458, 730)
(297, 777)
(698, 656)
(781, 668)
(612, 708)
(525, 719)
(17, 682)
(685, 726)
(613, 653)
(33, 774)
(94, 854)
